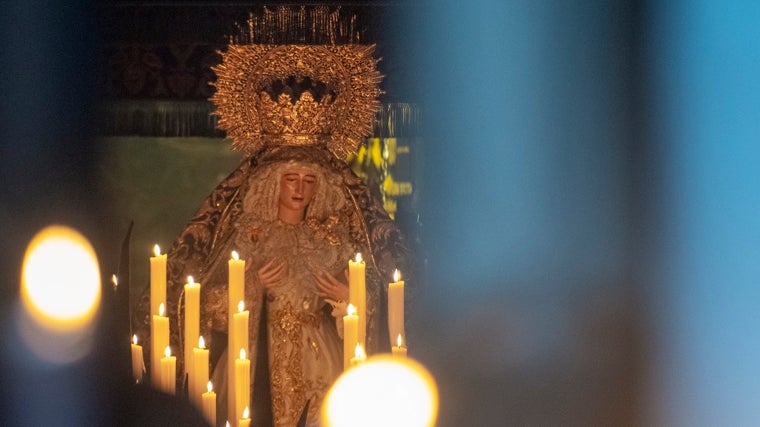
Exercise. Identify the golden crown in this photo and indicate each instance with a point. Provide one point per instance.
(297, 95)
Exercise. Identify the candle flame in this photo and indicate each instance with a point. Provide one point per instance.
(351, 310)
(242, 354)
(115, 281)
(134, 339)
(168, 351)
(399, 341)
(235, 255)
(209, 387)
(358, 257)
(202, 342)
(396, 275)
(161, 309)
(241, 306)
(359, 352)
(246, 413)
(156, 250)
(190, 280)
(228, 424)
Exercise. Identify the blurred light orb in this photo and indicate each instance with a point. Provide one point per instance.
(383, 391)
(60, 294)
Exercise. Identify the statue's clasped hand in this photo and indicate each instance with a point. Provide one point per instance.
(332, 291)
(272, 274)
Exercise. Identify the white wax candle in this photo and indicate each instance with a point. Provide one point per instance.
(359, 355)
(236, 293)
(357, 294)
(395, 307)
(138, 362)
(350, 335)
(192, 321)
(246, 420)
(198, 377)
(169, 371)
(242, 384)
(399, 350)
(209, 405)
(159, 339)
(157, 280)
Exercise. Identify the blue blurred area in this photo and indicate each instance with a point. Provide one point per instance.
(706, 74)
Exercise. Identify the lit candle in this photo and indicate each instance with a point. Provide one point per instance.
(357, 294)
(169, 371)
(192, 322)
(159, 340)
(242, 384)
(359, 355)
(246, 420)
(138, 362)
(209, 404)
(236, 272)
(399, 349)
(199, 375)
(157, 279)
(350, 337)
(395, 307)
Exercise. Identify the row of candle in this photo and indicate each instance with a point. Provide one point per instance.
(196, 366)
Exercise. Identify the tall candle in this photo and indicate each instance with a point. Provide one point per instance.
(138, 362)
(198, 377)
(159, 339)
(169, 371)
(157, 280)
(209, 404)
(236, 293)
(357, 294)
(242, 384)
(399, 350)
(395, 307)
(192, 322)
(246, 420)
(350, 335)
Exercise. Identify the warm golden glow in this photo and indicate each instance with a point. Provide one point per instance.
(156, 250)
(399, 341)
(235, 255)
(358, 257)
(242, 354)
(241, 306)
(115, 281)
(201, 342)
(190, 280)
(351, 310)
(209, 387)
(396, 392)
(60, 293)
(134, 339)
(246, 413)
(168, 351)
(161, 309)
(396, 275)
(359, 352)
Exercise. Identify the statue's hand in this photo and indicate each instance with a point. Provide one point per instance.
(271, 274)
(329, 287)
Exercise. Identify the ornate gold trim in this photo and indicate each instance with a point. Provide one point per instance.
(340, 123)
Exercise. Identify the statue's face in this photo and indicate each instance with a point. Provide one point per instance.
(297, 188)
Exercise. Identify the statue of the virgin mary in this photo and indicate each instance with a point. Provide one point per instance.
(296, 213)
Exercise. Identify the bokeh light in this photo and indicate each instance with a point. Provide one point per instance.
(380, 392)
(60, 294)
